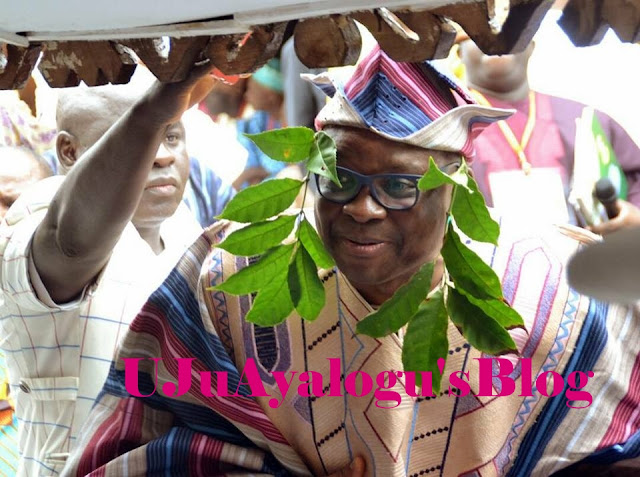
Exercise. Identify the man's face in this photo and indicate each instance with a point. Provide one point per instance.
(497, 73)
(167, 180)
(377, 248)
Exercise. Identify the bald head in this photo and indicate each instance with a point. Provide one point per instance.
(84, 114)
(87, 113)
(19, 168)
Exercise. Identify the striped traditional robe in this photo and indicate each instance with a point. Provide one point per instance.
(443, 435)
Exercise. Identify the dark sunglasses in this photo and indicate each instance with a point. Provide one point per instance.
(392, 191)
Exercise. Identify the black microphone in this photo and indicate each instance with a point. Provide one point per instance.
(606, 193)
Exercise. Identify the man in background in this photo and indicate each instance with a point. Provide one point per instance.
(539, 138)
(80, 253)
(20, 168)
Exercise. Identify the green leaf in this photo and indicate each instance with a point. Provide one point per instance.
(313, 243)
(261, 201)
(273, 265)
(435, 178)
(468, 270)
(272, 305)
(398, 310)
(322, 158)
(499, 310)
(472, 216)
(426, 340)
(481, 331)
(307, 292)
(258, 238)
(286, 144)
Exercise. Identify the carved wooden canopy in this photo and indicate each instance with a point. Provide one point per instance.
(424, 31)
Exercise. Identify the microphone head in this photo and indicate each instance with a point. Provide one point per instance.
(605, 191)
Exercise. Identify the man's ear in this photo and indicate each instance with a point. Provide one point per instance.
(67, 149)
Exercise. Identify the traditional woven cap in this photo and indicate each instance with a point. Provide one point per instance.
(412, 103)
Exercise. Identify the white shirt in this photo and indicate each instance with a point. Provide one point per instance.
(59, 355)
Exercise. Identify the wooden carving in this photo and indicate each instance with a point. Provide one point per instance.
(435, 35)
(16, 64)
(245, 53)
(94, 62)
(582, 21)
(326, 42)
(624, 18)
(168, 62)
(517, 31)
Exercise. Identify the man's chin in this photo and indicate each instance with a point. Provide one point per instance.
(154, 215)
(368, 271)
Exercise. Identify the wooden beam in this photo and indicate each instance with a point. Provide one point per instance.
(327, 42)
(435, 35)
(171, 65)
(178, 30)
(517, 32)
(582, 22)
(239, 54)
(624, 18)
(16, 64)
(96, 63)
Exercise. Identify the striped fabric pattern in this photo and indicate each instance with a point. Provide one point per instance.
(195, 434)
(58, 355)
(407, 102)
(8, 426)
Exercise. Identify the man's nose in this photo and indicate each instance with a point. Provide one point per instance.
(364, 207)
(164, 157)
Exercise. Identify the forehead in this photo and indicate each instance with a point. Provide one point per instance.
(369, 153)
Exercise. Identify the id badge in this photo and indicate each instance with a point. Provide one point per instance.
(537, 196)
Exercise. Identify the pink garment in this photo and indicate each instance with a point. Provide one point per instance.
(552, 143)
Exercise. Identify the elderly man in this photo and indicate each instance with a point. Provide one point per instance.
(80, 253)
(387, 120)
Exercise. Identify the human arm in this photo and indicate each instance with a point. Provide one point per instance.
(628, 217)
(101, 192)
(190, 434)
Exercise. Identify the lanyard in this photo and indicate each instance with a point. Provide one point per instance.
(518, 147)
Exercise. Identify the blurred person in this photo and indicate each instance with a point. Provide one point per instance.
(19, 126)
(20, 167)
(213, 121)
(80, 253)
(539, 140)
(225, 101)
(265, 94)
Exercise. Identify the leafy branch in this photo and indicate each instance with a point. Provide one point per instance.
(286, 275)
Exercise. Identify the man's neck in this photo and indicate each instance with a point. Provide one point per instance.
(510, 95)
(151, 235)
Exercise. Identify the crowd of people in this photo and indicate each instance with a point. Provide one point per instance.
(108, 251)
